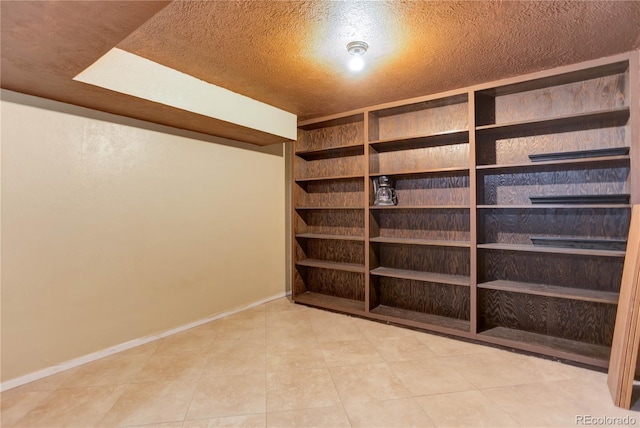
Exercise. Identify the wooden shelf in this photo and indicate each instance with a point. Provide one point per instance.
(412, 241)
(421, 318)
(555, 250)
(554, 206)
(346, 150)
(323, 264)
(557, 164)
(439, 278)
(328, 122)
(454, 169)
(330, 302)
(563, 348)
(335, 177)
(552, 291)
(419, 207)
(538, 136)
(572, 120)
(333, 237)
(421, 141)
(559, 79)
(330, 208)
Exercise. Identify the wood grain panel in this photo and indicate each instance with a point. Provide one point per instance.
(374, 129)
(515, 188)
(586, 322)
(334, 193)
(298, 286)
(516, 226)
(565, 270)
(330, 136)
(436, 224)
(332, 167)
(427, 121)
(331, 222)
(516, 149)
(348, 285)
(330, 250)
(437, 299)
(447, 260)
(450, 188)
(455, 155)
(589, 95)
(512, 310)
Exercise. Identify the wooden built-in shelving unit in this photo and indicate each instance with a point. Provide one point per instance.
(513, 209)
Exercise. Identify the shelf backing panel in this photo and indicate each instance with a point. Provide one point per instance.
(424, 297)
(436, 224)
(565, 270)
(586, 322)
(515, 188)
(330, 250)
(516, 226)
(330, 193)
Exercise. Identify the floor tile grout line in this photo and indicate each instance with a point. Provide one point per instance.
(197, 383)
(500, 407)
(328, 369)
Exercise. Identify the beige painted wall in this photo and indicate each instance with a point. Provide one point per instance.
(115, 229)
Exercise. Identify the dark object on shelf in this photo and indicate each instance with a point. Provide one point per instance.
(614, 151)
(384, 193)
(586, 243)
(622, 198)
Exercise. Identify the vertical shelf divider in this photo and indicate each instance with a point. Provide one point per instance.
(368, 124)
(473, 223)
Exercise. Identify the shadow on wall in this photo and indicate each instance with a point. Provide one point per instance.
(43, 103)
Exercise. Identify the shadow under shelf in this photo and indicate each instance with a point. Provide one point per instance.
(580, 154)
(622, 198)
(581, 243)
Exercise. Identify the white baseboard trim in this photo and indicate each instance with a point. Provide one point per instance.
(13, 383)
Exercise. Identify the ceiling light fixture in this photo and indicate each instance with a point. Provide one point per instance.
(357, 49)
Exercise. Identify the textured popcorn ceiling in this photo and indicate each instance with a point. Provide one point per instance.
(292, 54)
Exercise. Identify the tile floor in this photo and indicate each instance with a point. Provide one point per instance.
(286, 365)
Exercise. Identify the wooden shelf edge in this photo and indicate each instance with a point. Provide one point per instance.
(559, 163)
(329, 208)
(609, 114)
(425, 242)
(335, 177)
(606, 297)
(330, 302)
(330, 237)
(437, 278)
(345, 150)
(421, 320)
(420, 207)
(456, 136)
(585, 353)
(322, 264)
(427, 171)
(554, 250)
